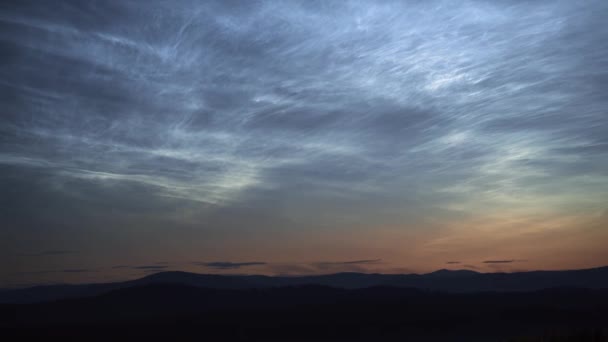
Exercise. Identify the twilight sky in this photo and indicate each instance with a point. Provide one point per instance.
(301, 137)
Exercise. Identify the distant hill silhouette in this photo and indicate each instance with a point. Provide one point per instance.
(458, 281)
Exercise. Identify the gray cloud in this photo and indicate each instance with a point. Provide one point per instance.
(260, 79)
(33, 273)
(51, 253)
(71, 270)
(56, 252)
(362, 265)
(149, 267)
(77, 270)
(353, 262)
(452, 262)
(226, 265)
(499, 261)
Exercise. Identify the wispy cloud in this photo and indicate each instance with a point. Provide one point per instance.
(498, 261)
(51, 253)
(69, 270)
(308, 268)
(149, 267)
(77, 270)
(506, 261)
(226, 265)
(352, 262)
(314, 118)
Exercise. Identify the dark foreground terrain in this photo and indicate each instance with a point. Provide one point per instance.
(312, 313)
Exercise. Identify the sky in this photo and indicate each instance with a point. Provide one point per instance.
(301, 137)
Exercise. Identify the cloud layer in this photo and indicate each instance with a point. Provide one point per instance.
(220, 123)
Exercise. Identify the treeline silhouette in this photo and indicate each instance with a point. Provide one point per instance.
(313, 313)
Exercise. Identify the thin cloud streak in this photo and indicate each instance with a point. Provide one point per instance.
(498, 261)
(353, 262)
(225, 265)
(149, 267)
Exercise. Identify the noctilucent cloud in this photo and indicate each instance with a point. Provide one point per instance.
(301, 137)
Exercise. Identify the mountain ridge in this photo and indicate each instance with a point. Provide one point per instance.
(458, 281)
